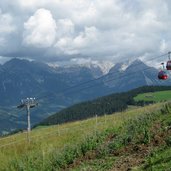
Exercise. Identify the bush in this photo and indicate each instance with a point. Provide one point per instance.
(168, 141)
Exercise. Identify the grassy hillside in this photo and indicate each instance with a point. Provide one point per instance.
(99, 143)
(154, 96)
(104, 105)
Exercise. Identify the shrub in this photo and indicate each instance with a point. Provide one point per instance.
(168, 141)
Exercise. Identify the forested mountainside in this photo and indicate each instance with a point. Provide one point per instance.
(103, 105)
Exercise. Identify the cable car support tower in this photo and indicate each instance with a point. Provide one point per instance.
(28, 103)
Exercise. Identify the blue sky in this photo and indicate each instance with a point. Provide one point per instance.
(80, 30)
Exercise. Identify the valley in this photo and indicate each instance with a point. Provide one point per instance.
(57, 88)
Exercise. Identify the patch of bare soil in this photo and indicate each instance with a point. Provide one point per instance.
(131, 156)
(134, 155)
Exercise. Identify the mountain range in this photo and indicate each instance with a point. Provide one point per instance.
(56, 88)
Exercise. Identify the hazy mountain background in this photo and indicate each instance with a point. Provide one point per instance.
(57, 87)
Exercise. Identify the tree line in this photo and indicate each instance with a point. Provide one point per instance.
(104, 105)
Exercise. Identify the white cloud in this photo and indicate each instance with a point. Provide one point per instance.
(65, 27)
(77, 44)
(109, 29)
(85, 14)
(86, 38)
(64, 46)
(40, 29)
(32, 3)
(7, 28)
(6, 25)
(163, 46)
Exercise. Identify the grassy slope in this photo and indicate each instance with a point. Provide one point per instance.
(159, 158)
(48, 142)
(148, 147)
(154, 96)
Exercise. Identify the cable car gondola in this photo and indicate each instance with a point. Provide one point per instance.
(168, 65)
(162, 75)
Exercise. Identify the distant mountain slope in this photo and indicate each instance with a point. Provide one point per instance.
(104, 105)
(59, 87)
(135, 75)
(21, 79)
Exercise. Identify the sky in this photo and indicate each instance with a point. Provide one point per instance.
(84, 30)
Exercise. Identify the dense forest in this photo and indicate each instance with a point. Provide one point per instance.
(103, 105)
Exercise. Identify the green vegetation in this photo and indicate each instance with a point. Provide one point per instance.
(92, 144)
(104, 105)
(154, 96)
(138, 138)
(143, 144)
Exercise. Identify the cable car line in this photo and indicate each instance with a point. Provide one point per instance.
(71, 89)
(90, 86)
(86, 82)
(59, 94)
(132, 73)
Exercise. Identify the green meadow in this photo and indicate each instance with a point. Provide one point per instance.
(154, 96)
(92, 144)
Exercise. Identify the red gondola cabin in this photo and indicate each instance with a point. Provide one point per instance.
(168, 65)
(162, 75)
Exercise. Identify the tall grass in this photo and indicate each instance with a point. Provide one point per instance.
(56, 147)
(135, 133)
